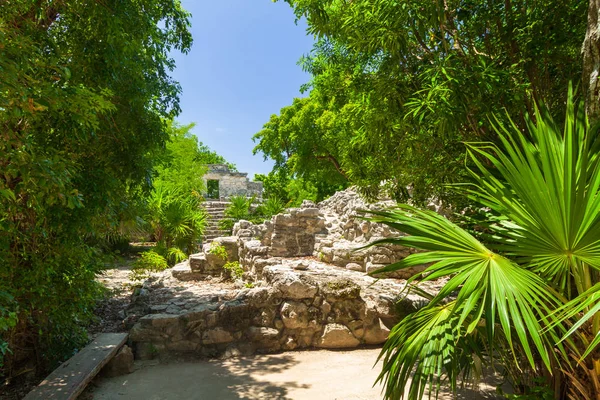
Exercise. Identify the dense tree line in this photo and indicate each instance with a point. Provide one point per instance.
(397, 87)
(85, 100)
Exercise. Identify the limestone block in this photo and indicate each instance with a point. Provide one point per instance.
(339, 289)
(260, 333)
(183, 272)
(293, 286)
(216, 336)
(380, 259)
(336, 336)
(121, 363)
(294, 315)
(376, 333)
(182, 346)
(355, 267)
(308, 212)
(198, 262)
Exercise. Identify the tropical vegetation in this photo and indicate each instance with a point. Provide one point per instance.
(397, 86)
(85, 97)
(522, 290)
(246, 208)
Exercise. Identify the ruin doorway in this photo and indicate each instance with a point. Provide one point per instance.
(212, 189)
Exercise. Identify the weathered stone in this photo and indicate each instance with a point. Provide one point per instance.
(336, 336)
(355, 267)
(140, 334)
(216, 336)
(308, 212)
(294, 315)
(159, 321)
(376, 334)
(380, 259)
(325, 309)
(182, 346)
(301, 265)
(289, 343)
(120, 364)
(258, 333)
(147, 350)
(231, 183)
(262, 297)
(198, 262)
(293, 286)
(183, 272)
(340, 289)
(370, 267)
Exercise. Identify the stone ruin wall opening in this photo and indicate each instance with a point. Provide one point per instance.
(229, 183)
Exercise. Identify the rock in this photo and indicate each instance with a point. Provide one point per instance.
(294, 315)
(301, 265)
(340, 289)
(216, 336)
(380, 259)
(183, 272)
(147, 350)
(336, 336)
(259, 333)
(377, 333)
(355, 267)
(182, 346)
(198, 262)
(121, 363)
(373, 267)
(291, 285)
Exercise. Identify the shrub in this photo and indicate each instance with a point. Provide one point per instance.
(235, 269)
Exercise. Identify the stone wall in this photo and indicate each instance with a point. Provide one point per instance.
(332, 231)
(299, 301)
(300, 304)
(232, 183)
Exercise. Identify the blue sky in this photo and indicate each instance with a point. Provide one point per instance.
(241, 69)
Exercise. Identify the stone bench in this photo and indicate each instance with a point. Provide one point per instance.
(70, 379)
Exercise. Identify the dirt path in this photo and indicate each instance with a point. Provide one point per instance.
(299, 375)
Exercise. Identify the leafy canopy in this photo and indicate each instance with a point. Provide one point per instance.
(84, 96)
(398, 85)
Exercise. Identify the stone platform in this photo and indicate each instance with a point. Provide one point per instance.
(300, 303)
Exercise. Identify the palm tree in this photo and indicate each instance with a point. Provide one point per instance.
(529, 297)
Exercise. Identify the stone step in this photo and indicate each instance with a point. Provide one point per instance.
(183, 272)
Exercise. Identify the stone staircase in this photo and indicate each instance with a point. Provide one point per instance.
(216, 212)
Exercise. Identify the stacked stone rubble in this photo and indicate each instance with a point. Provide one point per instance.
(300, 305)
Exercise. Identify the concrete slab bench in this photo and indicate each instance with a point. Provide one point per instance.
(70, 379)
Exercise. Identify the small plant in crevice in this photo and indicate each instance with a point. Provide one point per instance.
(218, 250)
(235, 269)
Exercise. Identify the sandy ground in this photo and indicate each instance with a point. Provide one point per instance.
(311, 375)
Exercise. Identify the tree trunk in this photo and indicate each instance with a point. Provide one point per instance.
(591, 62)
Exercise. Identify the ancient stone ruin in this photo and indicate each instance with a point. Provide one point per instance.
(222, 183)
(302, 285)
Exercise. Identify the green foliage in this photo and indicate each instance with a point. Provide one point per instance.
(218, 250)
(530, 296)
(397, 87)
(241, 209)
(84, 95)
(235, 269)
(271, 206)
(8, 320)
(149, 261)
(292, 191)
(173, 212)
